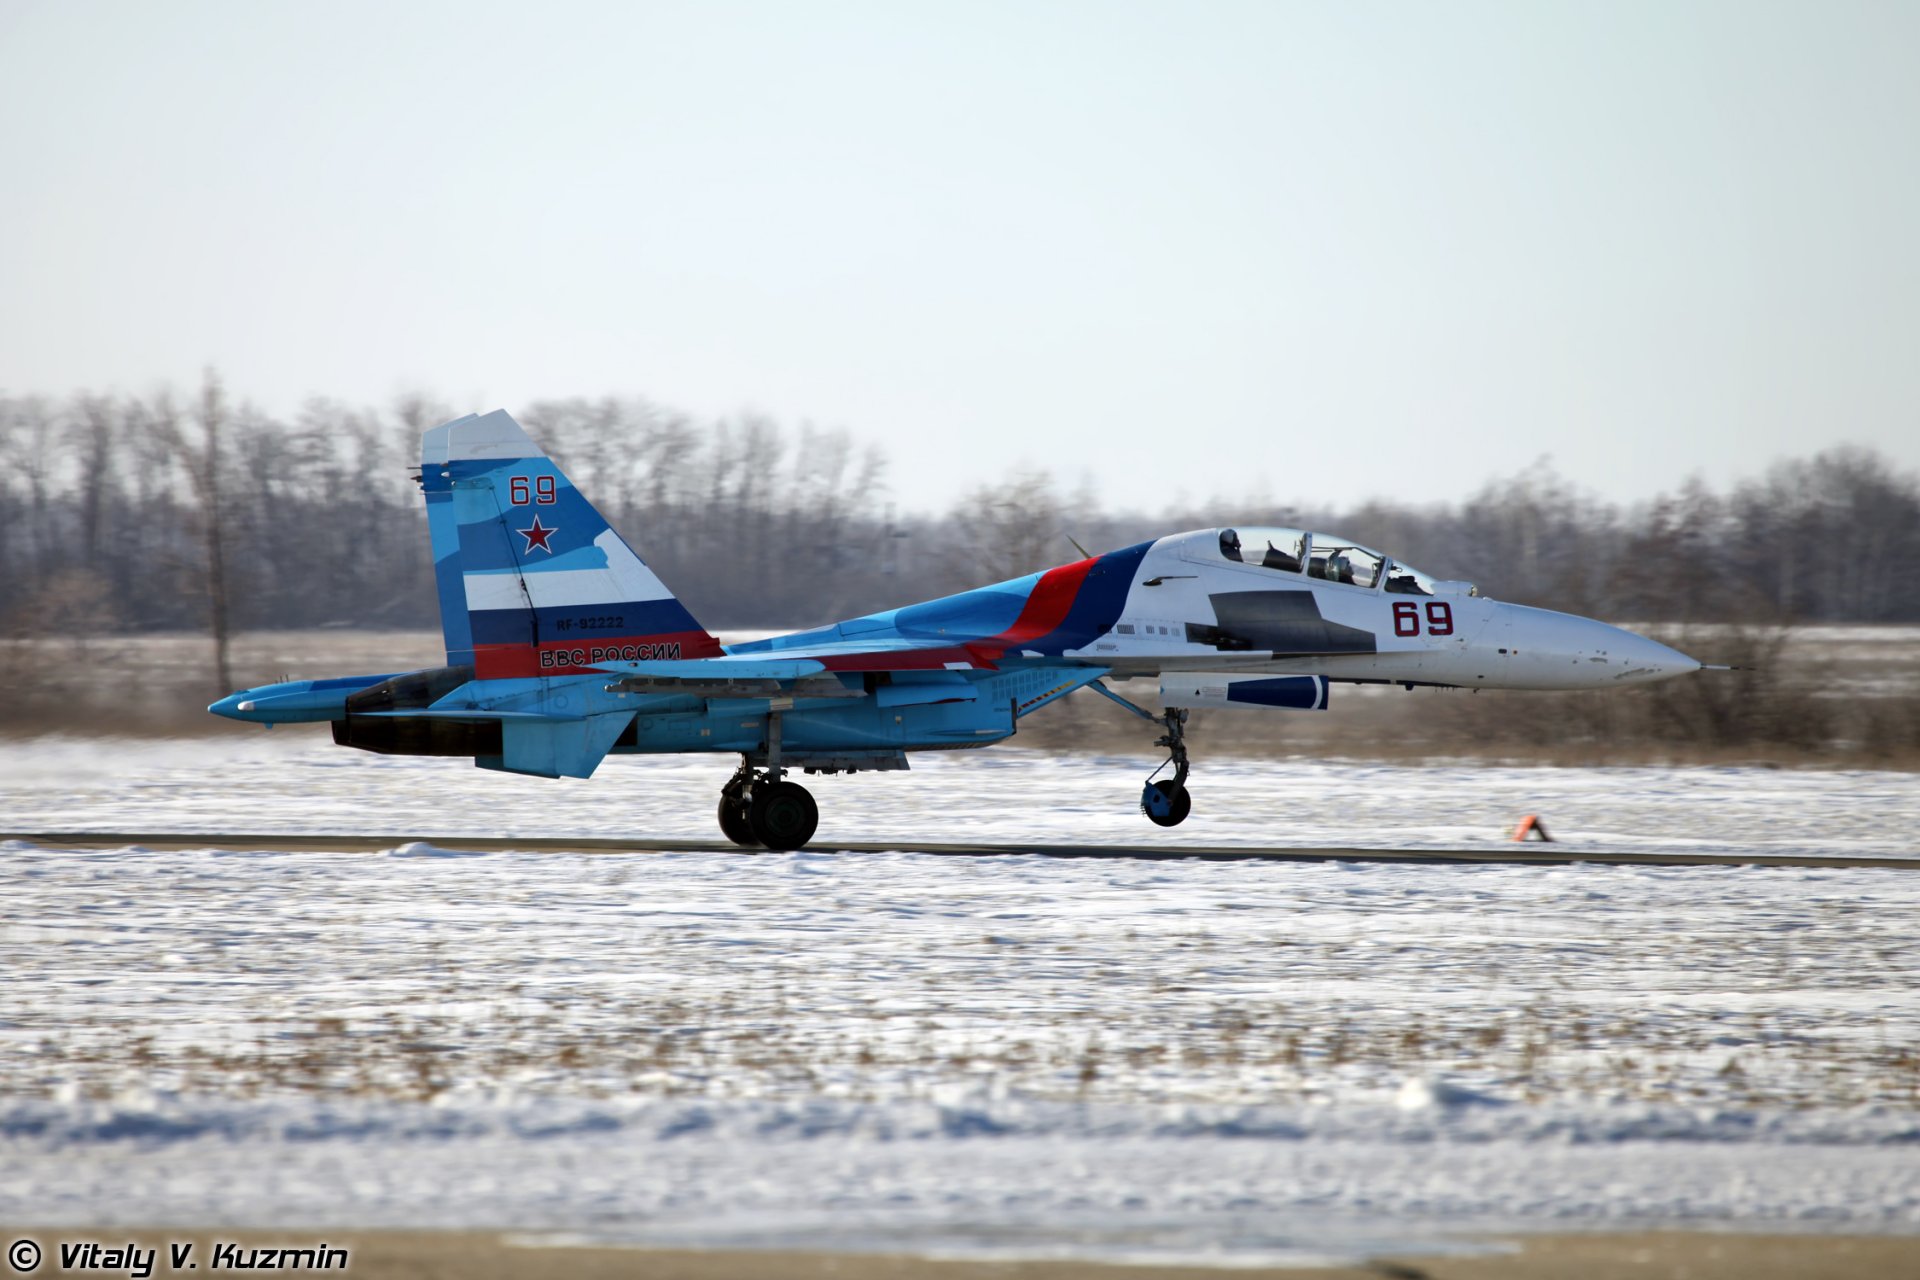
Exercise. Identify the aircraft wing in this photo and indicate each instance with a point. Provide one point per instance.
(818, 664)
(1126, 667)
(810, 670)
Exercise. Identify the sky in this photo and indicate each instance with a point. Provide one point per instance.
(1316, 252)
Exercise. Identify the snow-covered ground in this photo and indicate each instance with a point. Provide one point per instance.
(1236, 1061)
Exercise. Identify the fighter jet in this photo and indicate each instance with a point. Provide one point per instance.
(563, 647)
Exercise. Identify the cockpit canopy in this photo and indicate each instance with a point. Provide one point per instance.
(1324, 556)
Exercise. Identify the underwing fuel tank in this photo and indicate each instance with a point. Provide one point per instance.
(1298, 693)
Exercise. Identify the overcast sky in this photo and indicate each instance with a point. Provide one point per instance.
(1312, 251)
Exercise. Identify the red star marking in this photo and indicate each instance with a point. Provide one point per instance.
(537, 536)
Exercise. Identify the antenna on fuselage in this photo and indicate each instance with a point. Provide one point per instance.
(1084, 553)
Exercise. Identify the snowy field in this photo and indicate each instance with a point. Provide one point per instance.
(1238, 1062)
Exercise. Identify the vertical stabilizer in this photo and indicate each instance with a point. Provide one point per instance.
(532, 580)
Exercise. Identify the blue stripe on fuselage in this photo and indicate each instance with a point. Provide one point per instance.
(582, 622)
(1098, 604)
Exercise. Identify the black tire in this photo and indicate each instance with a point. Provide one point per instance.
(783, 815)
(1177, 797)
(733, 820)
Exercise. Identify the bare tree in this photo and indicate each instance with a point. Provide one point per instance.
(760, 525)
(202, 460)
(1013, 528)
(37, 441)
(10, 585)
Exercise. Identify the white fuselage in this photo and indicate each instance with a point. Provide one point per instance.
(1185, 593)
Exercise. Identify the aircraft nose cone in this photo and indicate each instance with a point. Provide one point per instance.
(1650, 660)
(1548, 650)
(230, 706)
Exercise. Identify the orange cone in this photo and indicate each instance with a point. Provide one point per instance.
(1531, 826)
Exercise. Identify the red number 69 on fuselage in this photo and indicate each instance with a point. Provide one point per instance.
(1406, 618)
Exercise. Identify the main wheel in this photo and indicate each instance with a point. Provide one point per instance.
(1166, 803)
(733, 820)
(782, 815)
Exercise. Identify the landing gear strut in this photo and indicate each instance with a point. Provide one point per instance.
(1165, 802)
(759, 808)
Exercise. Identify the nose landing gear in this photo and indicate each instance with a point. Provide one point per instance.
(760, 809)
(1165, 802)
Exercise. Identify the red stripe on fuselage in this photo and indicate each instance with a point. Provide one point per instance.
(569, 657)
(902, 659)
(1047, 607)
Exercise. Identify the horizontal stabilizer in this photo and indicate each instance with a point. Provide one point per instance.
(551, 748)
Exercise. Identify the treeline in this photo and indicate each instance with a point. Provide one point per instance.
(126, 514)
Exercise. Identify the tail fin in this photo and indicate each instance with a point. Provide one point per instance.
(532, 580)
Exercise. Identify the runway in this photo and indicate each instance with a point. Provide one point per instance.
(1515, 855)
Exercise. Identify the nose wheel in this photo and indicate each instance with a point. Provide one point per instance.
(1166, 803)
(1164, 800)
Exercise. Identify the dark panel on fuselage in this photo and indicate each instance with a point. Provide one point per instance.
(1280, 621)
(411, 691)
(418, 736)
(410, 735)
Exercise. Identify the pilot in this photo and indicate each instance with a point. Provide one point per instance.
(1402, 580)
(1275, 558)
(1230, 544)
(1339, 568)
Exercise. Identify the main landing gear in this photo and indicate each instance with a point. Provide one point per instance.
(760, 809)
(1165, 802)
(767, 813)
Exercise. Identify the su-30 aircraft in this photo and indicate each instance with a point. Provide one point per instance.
(563, 647)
